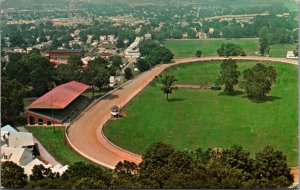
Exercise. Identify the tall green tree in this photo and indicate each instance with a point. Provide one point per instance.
(97, 74)
(12, 176)
(146, 46)
(264, 44)
(228, 75)
(11, 100)
(71, 71)
(168, 82)
(142, 65)
(115, 60)
(257, 81)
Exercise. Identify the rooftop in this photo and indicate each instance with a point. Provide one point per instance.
(20, 139)
(60, 97)
(66, 50)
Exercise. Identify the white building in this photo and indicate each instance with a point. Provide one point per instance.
(21, 140)
(133, 51)
(291, 55)
(17, 147)
(20, 156)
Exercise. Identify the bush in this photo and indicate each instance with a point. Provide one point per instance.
(230, 49)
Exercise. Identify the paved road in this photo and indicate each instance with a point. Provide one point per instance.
(44, 154)
(85, 134)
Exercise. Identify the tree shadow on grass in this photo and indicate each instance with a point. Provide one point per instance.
(265, 99)
(176, 99)
(235, 93)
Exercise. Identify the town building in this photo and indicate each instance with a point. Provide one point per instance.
(133, 50)
(58, 106)
(64, 54)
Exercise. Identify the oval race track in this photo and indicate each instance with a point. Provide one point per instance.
(85, 134)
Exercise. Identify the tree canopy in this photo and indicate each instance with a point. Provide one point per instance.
(257, 81)
(11, 100)
(12, 176)
(228, 75)
(230, 49)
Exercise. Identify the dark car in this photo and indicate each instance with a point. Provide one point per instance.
(215, 88)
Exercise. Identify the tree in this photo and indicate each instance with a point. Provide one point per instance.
(71, 71)
(39, 172)
(115, 61)
(146, 46)
(198, 53)
(120, 42)
(167, 82)
(257, 81)
(230, 49)
(12, 176)
(152, 169)
(128, 73)
(89, 183)
(296, 52)
(17, 69)
(264, 44)
(271, 169)
(142, 65)
(11, 100)
(126, 169)
(97, 74)
(228, 75)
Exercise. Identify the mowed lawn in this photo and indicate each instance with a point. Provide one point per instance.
(55, 143)
(205, 118)
(188, 48)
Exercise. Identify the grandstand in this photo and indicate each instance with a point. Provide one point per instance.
(58, 106)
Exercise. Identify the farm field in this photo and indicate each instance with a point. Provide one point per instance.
(55, 143)
(203, 118)
(187, 48)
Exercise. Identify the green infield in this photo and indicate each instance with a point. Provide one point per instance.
(204, 118)
(56, 144)
(188, 48)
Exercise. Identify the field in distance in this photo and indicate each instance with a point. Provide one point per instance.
(204, 118)
(187, 48)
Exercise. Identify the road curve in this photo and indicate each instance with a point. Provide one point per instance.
(85, 134)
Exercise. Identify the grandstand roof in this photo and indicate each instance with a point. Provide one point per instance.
(60, 97)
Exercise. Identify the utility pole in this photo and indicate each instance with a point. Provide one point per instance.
(52, 115)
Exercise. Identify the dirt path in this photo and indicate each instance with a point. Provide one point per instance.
(85, 135)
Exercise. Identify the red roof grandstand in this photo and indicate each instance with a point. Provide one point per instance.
(60, 97)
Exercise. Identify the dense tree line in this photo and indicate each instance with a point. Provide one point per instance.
(153, 54)
(164, 167)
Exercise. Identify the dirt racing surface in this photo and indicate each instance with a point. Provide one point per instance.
(85, 134)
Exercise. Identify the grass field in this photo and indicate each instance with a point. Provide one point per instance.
(187, 48)
(55, 143)
(205, 118)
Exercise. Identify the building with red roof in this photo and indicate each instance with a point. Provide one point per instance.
(59, 105)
